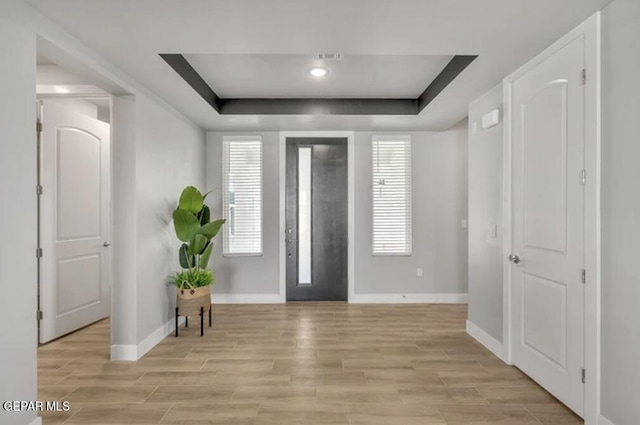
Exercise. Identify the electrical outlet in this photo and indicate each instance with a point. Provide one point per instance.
(419, 272)
(463, 224)
(493, 230)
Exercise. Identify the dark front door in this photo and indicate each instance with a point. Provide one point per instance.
(316, 230)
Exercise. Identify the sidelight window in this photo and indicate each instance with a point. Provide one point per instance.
(391, 194)
(242, 195)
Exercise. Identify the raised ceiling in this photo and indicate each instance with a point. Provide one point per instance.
(503, 33)
(286, 76)
(334, 97)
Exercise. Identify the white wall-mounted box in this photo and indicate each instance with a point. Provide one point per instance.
(491, 119)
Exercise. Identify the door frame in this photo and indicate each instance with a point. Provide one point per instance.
(591, 31)
(349, 135)
(123, 94)
(77, 95)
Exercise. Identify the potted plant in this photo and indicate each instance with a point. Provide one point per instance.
(194, 228)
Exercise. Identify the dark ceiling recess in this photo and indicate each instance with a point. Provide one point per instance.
(317, 106)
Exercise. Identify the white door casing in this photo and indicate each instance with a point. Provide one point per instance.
(350, 136)
(75, 224)
(590, 32)
(548, 201)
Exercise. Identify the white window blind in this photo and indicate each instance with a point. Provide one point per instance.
(391, 174)
(242, 195)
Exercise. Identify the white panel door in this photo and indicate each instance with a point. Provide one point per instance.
(548, 150)
(74, 221)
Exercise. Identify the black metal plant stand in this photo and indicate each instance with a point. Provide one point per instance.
(186, 320)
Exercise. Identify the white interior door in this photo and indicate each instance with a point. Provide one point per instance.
(74, 221)
(548, 147)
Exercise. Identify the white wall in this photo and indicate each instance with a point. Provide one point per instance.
(620, 213)
(79, 106)
(123, 290)
(439, 204)
(485, 211)
(620, 349)
(18, 332)
(248, 275)
(156, 152)
(439, 201)
(56, 75)
(169, 156)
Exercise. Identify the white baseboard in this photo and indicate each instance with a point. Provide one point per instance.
(247, 299)
(489, 342)
(357, 298)
(124, 353)
(604, 421)
(132, 353)
(408, 298)
(36, 421)
(158, 335)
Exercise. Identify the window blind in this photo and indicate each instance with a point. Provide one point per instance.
(242, 195)
(391, 185)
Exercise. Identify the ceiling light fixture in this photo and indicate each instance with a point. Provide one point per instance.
(318, 71)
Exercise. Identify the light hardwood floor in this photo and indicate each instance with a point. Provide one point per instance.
(297, 364)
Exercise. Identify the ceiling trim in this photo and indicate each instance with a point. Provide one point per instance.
(317, 106)
(181, 65)
(450, 72)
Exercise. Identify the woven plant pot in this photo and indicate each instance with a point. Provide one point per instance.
(191, 299)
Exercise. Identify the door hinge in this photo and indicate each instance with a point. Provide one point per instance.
(584, 276)
(39, 126)
(583, 375)
(39, 190)
(39, 252)
(583, 77)
(39, 315)
(584, 176)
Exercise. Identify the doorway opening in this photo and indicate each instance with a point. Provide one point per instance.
(74, 214)
(74, 202)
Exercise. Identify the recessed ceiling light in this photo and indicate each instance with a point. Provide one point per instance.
(318, 71)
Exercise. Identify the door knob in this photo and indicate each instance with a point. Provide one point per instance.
(106, 244)
(514, 259)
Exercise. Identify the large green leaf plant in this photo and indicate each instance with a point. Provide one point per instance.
(193, 225)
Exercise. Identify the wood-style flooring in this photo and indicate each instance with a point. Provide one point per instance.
(298, 364)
